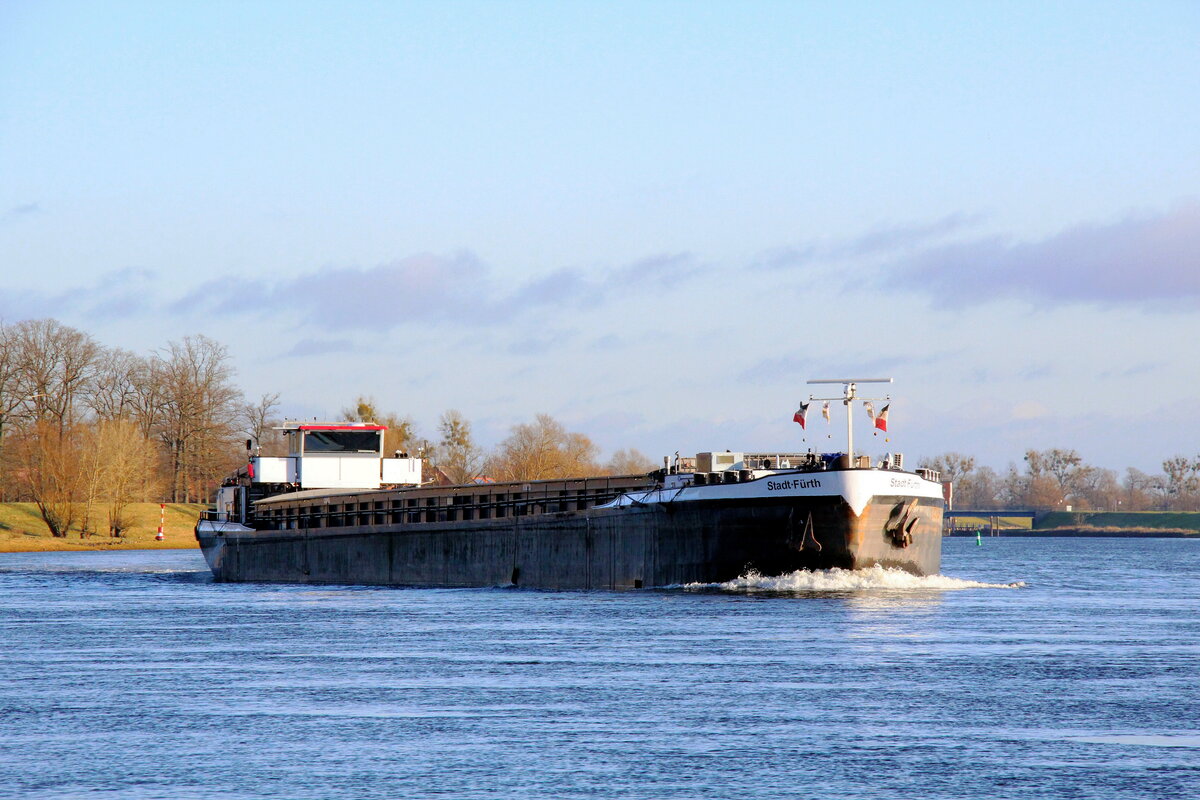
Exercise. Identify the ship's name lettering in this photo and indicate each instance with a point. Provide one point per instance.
(794, 483)
(905, 483)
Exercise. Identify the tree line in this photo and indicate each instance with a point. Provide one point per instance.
(1057, 478)
(539, 450)
(86, 430)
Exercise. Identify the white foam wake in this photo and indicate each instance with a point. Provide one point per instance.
(847, 580)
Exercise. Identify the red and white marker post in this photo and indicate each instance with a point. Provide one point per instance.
(162, 520)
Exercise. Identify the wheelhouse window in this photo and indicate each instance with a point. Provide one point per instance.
(342, 442)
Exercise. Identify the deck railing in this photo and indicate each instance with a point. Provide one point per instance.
(457, 504)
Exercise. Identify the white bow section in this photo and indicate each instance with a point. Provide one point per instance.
(856, 486)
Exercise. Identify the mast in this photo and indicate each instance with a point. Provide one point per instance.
(849, 395)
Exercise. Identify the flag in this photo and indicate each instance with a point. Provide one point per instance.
(825, 410)
(870, 407)
(800, 415)
(881, 420)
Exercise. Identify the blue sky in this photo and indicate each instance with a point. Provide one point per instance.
(654, 221)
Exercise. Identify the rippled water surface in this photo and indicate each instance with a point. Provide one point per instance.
(1033, 668)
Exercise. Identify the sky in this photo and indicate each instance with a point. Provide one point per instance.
(654, 221)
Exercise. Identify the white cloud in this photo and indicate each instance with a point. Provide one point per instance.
(1137, 260)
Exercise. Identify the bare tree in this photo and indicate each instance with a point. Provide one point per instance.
(629, 462)
(47, 461)
(531, 451)
(1181, 480)
(127, 469)
(1143, 492)
(979, 488)
(114, 390)
(1053, 477)
(1030, 488)
(363, 410)
(458, 456)
(57, 364)
(1099, 489)
(45, 367)
(89, 476)
(401, 434)
(11, 396)
(952, 466)
(544, 449)
(199, 419)
(149, 398)
(1065, 467)
(579, 457)
(116, 466)
(10, 375)
(258, 422)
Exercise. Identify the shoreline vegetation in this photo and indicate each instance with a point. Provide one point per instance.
(22, 530)
(1128, 524)
(87, 430)
(1083, 532)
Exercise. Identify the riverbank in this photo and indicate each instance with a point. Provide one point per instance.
(22, 530)
(1186, 521)
(1087, 531)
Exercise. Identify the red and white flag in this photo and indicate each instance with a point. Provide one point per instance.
(800, 415)
(881, 420)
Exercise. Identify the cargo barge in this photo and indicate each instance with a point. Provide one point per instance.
(335, 510)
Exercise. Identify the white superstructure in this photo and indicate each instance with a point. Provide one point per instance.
(342, 455)
(336, 456)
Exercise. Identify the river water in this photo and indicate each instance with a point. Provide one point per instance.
(1034, 668)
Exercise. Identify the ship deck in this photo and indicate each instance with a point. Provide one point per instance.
(463, 503)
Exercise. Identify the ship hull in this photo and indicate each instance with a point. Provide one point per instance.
(637, 544)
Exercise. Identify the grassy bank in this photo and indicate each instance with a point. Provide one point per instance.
(22, 529)
(1118, 533)
(1129, 533)
(1002, 522)
(1170, 520)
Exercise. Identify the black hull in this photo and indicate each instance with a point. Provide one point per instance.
(599, 548)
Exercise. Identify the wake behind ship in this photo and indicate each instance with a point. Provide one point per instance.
(335, 510)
